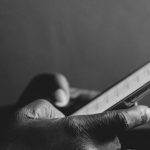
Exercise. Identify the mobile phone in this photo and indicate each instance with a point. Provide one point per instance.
(130, 89)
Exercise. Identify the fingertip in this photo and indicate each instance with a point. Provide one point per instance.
(144, 112)
(137, 115)
(147, 112)
(61, 98)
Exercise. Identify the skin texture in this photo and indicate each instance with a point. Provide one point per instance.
(36, 124)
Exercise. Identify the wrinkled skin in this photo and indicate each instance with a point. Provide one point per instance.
(36, 124)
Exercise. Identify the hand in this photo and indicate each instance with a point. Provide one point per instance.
(39, 125)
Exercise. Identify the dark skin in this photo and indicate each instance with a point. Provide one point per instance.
(34, 123)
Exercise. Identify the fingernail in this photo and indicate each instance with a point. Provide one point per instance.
(61, 98)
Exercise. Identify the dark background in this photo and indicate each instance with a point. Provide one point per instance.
(93, 42)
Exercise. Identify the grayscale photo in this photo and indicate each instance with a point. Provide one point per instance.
(74, 75)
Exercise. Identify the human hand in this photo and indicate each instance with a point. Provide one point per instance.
(35, 129)
(39, 125)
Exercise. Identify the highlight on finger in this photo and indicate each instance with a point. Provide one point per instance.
(39, 109)
(61, 98)
(115, 121)
(62, 93)
(136, 115)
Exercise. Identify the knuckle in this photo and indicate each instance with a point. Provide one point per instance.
(73, 126)
(135, 116)
(116, 119)
(122, 118)
(144, 111)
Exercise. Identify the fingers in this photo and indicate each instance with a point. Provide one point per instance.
(125, 105)
(83, 94)
(136, 116)
(39, 109)
(111, 121)
(52, 87)
(62, 93)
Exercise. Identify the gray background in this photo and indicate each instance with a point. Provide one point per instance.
(93, 42)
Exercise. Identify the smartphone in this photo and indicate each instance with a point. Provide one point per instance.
(129, 90)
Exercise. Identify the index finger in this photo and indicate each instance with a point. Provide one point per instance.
(111, 121)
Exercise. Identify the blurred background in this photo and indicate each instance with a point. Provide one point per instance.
(93, 42)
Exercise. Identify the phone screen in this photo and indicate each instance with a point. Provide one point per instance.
(130, 89)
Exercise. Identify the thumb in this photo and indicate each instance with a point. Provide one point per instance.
(39, 109)
(100, 125)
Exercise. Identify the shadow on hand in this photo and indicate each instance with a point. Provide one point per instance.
(41, 87)
(138, 138)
